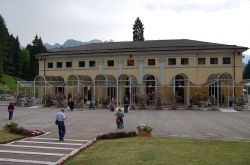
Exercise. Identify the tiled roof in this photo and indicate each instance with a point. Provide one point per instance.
(142, 46)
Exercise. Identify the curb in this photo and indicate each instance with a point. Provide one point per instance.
(75, 152)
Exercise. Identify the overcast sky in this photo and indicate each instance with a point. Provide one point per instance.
(220, 21)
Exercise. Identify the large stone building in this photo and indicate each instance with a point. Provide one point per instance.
(118, 69)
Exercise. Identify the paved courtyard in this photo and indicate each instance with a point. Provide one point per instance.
(88, 124)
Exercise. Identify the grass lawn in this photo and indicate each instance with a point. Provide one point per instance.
(9, 85)
(162, 151)
(6, 137)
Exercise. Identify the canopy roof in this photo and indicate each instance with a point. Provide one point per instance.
(125, 79)
(105, 80)
(49, 80)
(224, 78)
(84, 80)
(25, 83)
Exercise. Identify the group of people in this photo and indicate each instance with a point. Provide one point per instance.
(114, 102)
(60, 117)
(71, 104)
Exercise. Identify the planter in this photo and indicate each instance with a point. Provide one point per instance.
(144, 133)
(173, 107)
(158, 107)
(238, 108)
(195, 107)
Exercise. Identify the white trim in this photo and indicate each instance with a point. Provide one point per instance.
(64, 139)
(78, 144)
(26, 161)
(32, 153)
(57, 148)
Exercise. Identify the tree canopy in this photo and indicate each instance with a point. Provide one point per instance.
(13, 60)
(4, 35)
(138, 30)
(246, 72)
(35, 48)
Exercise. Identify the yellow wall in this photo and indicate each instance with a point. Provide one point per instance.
(197, 74)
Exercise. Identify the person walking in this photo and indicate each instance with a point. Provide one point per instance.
(71, 104)
(119, 119)
(11, 110)
(112, 104)
(60, 117)
(126, 104)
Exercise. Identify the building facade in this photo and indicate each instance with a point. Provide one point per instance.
(128, 69)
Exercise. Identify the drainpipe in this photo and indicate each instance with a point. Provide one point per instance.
(234, 79)
(44, 66)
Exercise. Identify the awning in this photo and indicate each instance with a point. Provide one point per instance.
(127, 80)
(49, 80)
(105, 80)
(223, 78)
(75, 80)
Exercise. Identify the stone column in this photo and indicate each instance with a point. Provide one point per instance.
(100, 66)
(141, 70)
(162, 71)
(119, 63)
(141, 74)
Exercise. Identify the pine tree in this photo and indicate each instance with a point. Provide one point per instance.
(246, 72)
(17, 58)
(25, 59)
(35, 48)
(4, 36)
(8, 64)
(138, 30)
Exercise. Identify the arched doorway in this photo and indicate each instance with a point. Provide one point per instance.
(180, 87)
(127, 88)
(149, 83)
(220, 86)
(105, 86)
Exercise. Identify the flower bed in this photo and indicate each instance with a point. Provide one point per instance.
(25, 132)
(12, 127)
(113, 135)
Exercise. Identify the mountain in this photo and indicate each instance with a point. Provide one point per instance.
(70, 43)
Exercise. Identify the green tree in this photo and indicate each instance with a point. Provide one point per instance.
(4, 36)
(9, 58)
(17, 61)
(246, 72)
(138, 30)
(25, 56)
(35, 48)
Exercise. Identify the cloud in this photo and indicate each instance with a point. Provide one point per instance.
(193, 5)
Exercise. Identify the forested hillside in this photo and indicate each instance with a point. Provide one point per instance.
(14, 61)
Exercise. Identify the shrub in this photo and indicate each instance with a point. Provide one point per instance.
(114, 135)
(25, 132)
(11, 124)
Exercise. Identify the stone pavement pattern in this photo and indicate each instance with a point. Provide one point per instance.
(88, 124)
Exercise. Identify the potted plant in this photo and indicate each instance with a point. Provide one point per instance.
(144, 130)
(104, 102)
(196, 99)
(212, 102)
(141, 100)
(175, 99)
(158, 104)
(239, 103)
